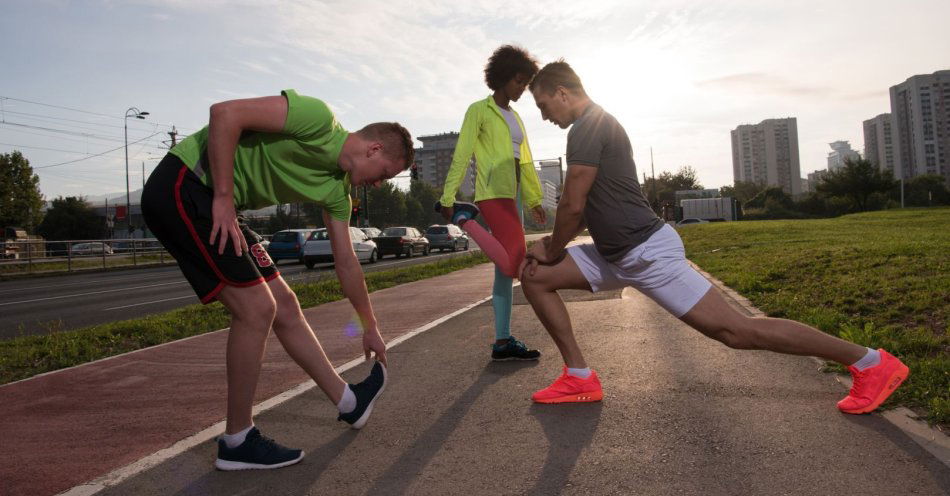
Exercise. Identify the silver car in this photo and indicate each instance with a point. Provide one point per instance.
(317, 248)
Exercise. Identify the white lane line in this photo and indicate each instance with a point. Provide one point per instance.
(150, 302)
(117, 476)
(91, 293)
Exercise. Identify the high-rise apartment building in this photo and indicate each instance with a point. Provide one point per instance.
(840, 153)
(435, 157)
(551, 172)
(879, 143)
(767, 153)
(920, 109)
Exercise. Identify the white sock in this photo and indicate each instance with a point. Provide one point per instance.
(871, 359)
(348, 402)
(583, 373)
(236, 439)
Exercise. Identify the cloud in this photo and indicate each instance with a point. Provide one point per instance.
(762, 82)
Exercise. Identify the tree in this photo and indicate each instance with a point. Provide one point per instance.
(71, 218)
(426, 195)
(387, 206)
(20, 200)
(742, 191)
(857, 181)
(667, 184)
(925, 190)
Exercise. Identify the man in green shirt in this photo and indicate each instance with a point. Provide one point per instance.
(254, 153)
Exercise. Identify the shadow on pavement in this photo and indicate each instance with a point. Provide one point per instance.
(398, 478)
(296, 479)
(900, 439)
(569, 428)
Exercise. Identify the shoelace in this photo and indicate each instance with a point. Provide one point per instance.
(857, 382)
(269, 444)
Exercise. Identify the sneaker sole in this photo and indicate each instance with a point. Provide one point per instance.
(232, 465)
(894, 381)
(512, 359)
(360, 422)
(590, 397)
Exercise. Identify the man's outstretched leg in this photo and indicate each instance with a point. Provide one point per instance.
(577, 382)
(354, 401)
(876, 373)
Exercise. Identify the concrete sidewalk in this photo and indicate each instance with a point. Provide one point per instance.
(681, 415)
(71, 426)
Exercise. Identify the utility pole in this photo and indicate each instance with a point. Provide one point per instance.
(143, 180)
(656, 199)
(173, 134)
(365, 206)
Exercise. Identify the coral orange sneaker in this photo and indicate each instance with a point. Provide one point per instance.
(570, 389)
(873, 385)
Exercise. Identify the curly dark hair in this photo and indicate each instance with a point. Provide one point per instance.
(396, 140)
(507, 62)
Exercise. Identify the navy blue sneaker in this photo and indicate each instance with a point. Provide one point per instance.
(366, 394)
(513, 350)
(463, 211)
(256, 452)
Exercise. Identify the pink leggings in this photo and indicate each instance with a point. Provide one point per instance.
(504, 245)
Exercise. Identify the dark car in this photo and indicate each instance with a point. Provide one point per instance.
(288, 244)
(401, 241)
(446, 237)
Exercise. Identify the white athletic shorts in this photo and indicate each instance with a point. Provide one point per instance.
(656, 268)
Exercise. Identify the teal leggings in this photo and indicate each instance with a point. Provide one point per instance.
(502, 294)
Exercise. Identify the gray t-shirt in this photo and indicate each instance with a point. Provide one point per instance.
(618, 216)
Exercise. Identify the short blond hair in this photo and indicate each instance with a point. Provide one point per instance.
(554, 74)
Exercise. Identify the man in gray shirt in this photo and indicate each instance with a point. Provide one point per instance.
(632, 247)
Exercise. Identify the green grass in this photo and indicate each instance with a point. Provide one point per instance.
(27, 356)
(880, 279)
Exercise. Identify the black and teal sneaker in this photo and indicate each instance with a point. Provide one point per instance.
(256, 452)
(463, 211)
(513, 350)
(366, 394)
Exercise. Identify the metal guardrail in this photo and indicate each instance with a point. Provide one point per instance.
(36, 256)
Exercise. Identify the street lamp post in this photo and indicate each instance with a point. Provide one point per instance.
(138, 114)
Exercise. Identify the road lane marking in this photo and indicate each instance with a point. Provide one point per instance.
(150, 302)
(91, 293)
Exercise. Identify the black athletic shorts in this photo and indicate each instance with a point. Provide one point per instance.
(177, 209)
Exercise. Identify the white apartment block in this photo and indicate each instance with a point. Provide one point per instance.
(920, 112)
(767, 153)
(840, 153)
(550, 195)
(879, 143)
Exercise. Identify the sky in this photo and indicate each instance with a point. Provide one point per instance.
(678, 75)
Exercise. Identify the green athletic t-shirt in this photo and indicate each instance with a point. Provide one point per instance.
(299, 164)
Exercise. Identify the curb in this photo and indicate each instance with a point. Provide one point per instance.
(935, 441)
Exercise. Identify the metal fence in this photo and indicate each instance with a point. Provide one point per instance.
(36, 256)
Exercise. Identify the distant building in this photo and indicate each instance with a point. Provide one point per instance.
(814, 178)
(435, 157)
(920, 112)
(687, 194)
(840, 153)
(550, 195)
(551, 172)
(879, 143)
(767, 153)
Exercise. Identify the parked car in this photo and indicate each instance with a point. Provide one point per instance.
(372, 232)
(317, 249)
(93, 248)
(288, 244)
(446, 237)
(401, 241)
(691, 220)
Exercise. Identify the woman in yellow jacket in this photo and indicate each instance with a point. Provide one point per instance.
(493, 131)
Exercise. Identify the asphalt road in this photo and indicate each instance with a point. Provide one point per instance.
(58, 303)
(682, 414)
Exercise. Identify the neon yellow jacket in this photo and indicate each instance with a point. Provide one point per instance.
(485, 133)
